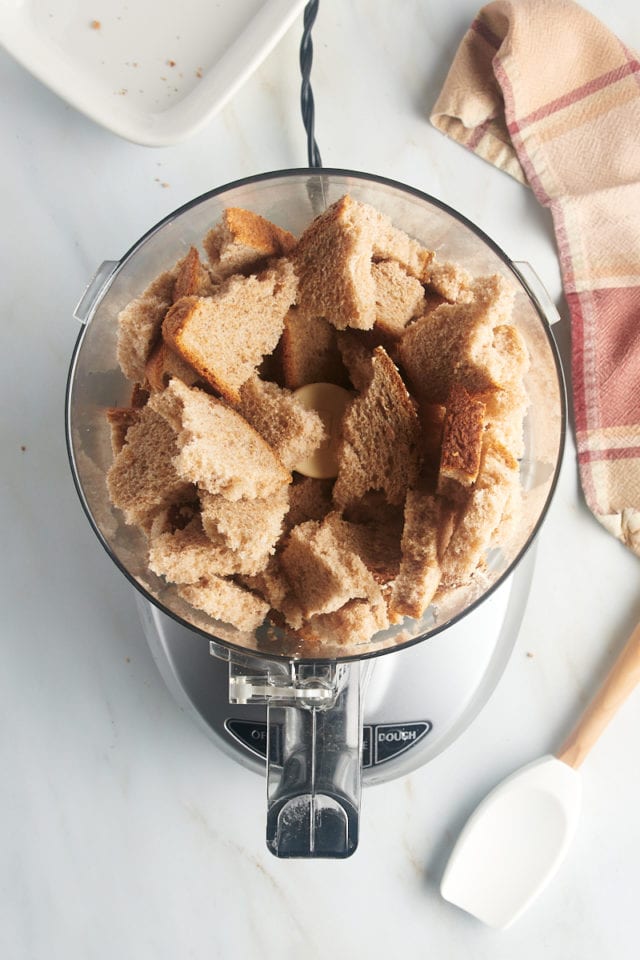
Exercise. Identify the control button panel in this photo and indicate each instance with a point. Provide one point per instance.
(380, 741)
(391, 739)
(252, 735)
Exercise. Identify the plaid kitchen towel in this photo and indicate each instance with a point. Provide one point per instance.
(544, 91)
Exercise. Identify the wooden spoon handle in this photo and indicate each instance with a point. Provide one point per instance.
(621, 680)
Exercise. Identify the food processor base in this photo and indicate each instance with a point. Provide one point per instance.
(418, 700)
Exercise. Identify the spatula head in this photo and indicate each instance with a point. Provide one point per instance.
(514, 842)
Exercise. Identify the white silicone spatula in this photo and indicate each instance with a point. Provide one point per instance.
(516, 839)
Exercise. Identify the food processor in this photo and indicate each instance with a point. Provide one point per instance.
(322, 726)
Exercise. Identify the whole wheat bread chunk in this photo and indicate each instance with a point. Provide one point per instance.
(309, 351)
(142, 479)
(419, 574)
(270, 583)
(451, 281)
(224, 337)
(163, 364)
(334, 257)
(291, 430)
(176, 516)
(217, 448)
(139, 324)
(432, 424)
(323, 572)
(185, 554)
(399, 297)
(380, 445)
(309, 499)
(227, 601)
(242, 241)
(377, 543)
(333, 263)
(120, 419)
(250, 528)
(352, 624)
(192, 277)
(462, 436)
(475, 530)
(389, 243)
(357, 356)
(455, 343)
(506, 406)
(139, 396)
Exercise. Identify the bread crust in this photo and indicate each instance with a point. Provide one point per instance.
(224, 337)
(380, 447)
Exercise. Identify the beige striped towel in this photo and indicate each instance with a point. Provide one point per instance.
(543, 90)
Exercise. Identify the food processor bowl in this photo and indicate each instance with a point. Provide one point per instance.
(314, 703)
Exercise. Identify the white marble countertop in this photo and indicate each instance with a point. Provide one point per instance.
(123, 831)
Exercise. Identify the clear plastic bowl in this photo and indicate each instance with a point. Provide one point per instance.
(291, 199)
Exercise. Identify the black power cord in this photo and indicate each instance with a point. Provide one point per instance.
(306, 93)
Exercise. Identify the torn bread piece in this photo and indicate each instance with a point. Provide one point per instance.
(217, 448)
(507, 405)
(309, 351)
(242, 241)
(399, 298)
(176, 516)
(139, 326)
(432, 423)
(143, 479)
(227, 601)
(309, 499)
(462, 435)
(120, 419)
(419, 575)
(506, 408)
(334, 258)
(455, 343)
(270, 583)
(357, 356)
(323, 572)
(478, 523)
(250, 528)
(188, 554)
(291, 430)
(450, 281)
(390, 243)
(163, 364)
(380, 446)
(192, 278)
(139, 396)
(354, 623)
(377, 543)
(225, 337)
(333, 263)
(140, 322)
